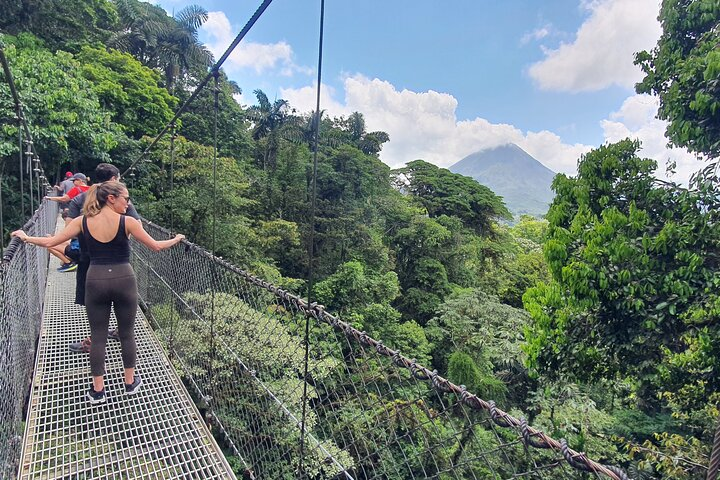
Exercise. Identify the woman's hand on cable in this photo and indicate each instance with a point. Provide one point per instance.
(20, 234)
(179, 237)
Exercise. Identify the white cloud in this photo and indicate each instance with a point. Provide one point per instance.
(636, 119)
(603, 51)
(537, 34)
(241, 100)
(424, 125)
(304, 100)
(257, 56)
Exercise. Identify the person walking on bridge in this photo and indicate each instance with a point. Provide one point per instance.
(110, 279)
(104, 172)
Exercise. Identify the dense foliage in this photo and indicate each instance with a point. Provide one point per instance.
(600, 323)
(684, 71)
(635, 273)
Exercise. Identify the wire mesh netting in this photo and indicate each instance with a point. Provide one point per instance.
(237, 343)
(23, 272)
(155, 434)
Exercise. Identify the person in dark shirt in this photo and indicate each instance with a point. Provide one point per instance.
(64, 187)
(104, 172)
(111, 283)
(79, 186)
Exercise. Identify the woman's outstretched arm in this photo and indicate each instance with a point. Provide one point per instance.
(72, 230)
(135, 228)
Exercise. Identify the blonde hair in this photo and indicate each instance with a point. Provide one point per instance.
(96, 197)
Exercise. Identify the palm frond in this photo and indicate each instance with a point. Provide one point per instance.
(120, 41)
(192, 17)
(128, 11)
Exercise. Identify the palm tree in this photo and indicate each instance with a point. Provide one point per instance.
(369, 143)
(168, 44)
(141, 24)
(268, 119)
(178, 46)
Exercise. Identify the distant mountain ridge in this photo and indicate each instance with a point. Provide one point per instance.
(509, 171)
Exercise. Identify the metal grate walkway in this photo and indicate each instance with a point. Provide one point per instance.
(156, 434)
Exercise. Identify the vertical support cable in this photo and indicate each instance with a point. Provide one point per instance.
(28, 161)
(173, 136)
(311, 241)
(715, 455)
(36, 169)
(20, 164)
(173, 318)
(216, 108)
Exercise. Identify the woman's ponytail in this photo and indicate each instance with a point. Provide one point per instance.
(97, 197)
(92, 206)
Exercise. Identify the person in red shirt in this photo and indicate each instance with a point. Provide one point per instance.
(80, 186)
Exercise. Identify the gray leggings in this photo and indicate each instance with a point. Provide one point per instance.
(106, 286)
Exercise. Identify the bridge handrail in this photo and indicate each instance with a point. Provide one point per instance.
(23, 274)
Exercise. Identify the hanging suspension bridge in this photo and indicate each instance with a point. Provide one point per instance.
(226, 375)
(243, 379)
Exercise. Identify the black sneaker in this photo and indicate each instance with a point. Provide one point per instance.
(83, 346)
(95, 397)
(134, 387)
(114, 334)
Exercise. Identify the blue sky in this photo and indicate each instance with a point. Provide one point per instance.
(445, 79)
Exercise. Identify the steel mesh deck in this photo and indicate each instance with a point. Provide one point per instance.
(155, 434)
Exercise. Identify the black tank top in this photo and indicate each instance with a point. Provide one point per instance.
(113, 252)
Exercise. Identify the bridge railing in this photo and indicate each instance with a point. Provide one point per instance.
(371, 412)
(23, 274)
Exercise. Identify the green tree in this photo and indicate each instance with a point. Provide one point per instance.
(197, 121)
(530, 228)
(350, 184)
(67, 121)
(127, 89)
(442, 192)
(683, 71)
(635, 276)
(195, 204)
(61, 24)
(516, 262)
(179, 47)
(369, 143)
(488, 334)
(169, 44)
(422, 276)
(269, 118)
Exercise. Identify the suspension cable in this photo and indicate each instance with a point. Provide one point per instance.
(174, 319)
(28, 162)
(20, 166)
(213, 71)
(311, 240)
(173, 136)
(214, 274)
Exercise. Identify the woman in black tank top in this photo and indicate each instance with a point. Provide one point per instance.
(110, 280)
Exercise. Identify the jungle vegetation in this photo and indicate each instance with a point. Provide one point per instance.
(600, 321)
